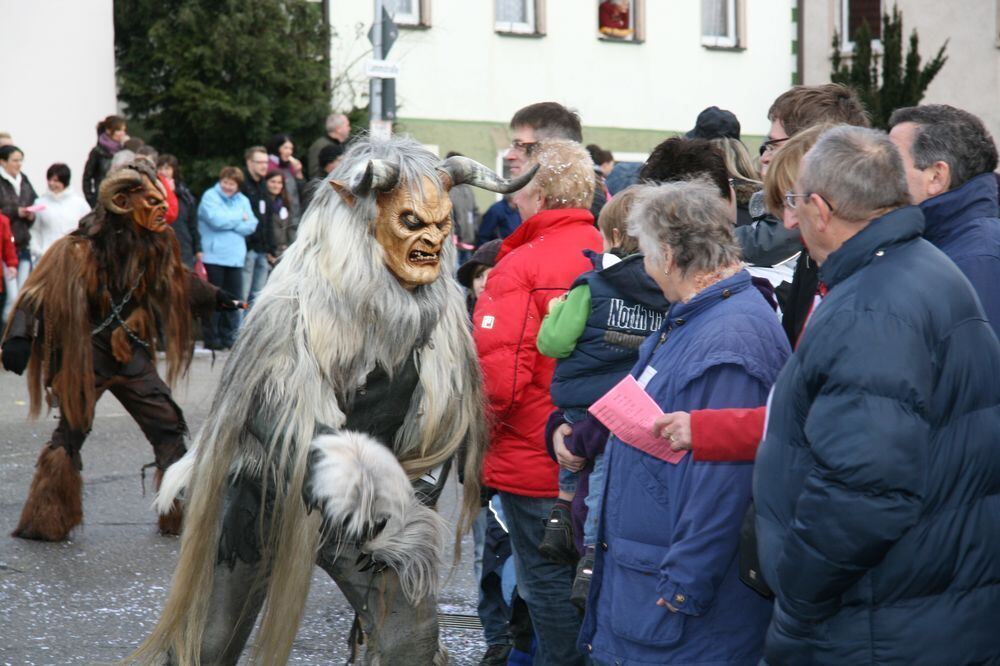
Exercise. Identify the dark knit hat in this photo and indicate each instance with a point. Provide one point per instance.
(486, 255)
(714, 123)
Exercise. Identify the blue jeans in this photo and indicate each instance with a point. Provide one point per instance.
(24, 267)
(544, 585)
(255, 272)
(595, 498)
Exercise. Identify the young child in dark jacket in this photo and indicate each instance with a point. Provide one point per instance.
(595, 332)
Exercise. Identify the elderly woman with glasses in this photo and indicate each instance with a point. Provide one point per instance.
(665, 585)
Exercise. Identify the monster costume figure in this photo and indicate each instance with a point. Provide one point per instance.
(353, 382)
(88, 321)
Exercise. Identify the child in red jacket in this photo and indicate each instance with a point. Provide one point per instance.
(8, 257)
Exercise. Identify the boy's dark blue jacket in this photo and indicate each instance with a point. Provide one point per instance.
(625, 307)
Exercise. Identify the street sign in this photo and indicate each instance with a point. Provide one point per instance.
(380, 130)
(381, 69)
(389, 32)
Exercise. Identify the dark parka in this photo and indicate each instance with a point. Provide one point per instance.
(94, 171)
(878, 480)
(10, 201)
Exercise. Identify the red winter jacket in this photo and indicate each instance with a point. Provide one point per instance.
(537, 263)
(8, 251)
(173, 207)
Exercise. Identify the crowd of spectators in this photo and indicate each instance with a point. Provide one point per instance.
(819, 325)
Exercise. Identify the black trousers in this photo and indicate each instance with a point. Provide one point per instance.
(224, 325)
(147, 399)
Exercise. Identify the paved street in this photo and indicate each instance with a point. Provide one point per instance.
(93, 598)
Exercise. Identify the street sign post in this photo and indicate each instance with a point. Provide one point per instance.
(382, 73)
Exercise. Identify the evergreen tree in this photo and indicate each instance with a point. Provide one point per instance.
(205, 79)
(902, 83)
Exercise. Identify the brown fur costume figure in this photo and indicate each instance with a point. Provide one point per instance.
(86, 322)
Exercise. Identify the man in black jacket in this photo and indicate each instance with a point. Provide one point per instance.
(255, 269)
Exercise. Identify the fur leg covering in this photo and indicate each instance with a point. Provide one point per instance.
(55, 501)
(172, 483)
(365, 496)
(169, 522)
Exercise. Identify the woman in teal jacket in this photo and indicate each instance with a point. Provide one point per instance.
(225, 219)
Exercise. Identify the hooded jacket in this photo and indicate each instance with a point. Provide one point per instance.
(537, 263)
(877, 485)
(625, 307)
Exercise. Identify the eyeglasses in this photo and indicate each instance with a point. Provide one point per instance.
(790, 199)
(771, 145)
(523, 146)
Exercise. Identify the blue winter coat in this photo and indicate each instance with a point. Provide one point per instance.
(877, 484)
(224, 223)
(672, 531)
(963, 224)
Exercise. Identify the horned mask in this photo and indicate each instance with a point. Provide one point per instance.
(135, 192)
(414, 220)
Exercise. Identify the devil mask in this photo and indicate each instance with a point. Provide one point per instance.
(412, 229)
(145, 204)
(414, 223)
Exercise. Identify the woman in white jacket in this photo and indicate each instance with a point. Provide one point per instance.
(62, 212)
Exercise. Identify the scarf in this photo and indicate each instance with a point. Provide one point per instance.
(108, 144)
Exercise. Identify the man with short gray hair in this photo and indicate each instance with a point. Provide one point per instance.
(877, 484)
(338, 130)
(950, 158)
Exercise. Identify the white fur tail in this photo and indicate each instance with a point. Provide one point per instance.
(359, 484)
(175, 482)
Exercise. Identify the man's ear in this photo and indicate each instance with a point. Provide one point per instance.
(344, 191)
(939, 180)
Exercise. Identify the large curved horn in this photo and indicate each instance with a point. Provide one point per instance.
(378, 176)
(459, 170)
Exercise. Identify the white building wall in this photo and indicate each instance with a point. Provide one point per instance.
(969, 80)
(58, 80)
(461, 69)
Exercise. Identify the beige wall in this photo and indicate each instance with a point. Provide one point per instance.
(59, 80)
(971, 77)
(461, 69)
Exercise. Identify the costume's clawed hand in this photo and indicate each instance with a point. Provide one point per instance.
(367, 562)
(224, 301)
(15, 354)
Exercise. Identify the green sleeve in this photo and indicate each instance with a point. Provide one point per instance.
(564, 323)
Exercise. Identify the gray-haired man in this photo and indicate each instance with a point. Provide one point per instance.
(877, 484)
(338, 130)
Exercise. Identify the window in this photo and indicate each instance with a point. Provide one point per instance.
(409, 13)
(520, 17)
(720, 26)
(855, 12)
(621, 20)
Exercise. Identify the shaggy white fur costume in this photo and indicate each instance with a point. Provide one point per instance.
(330, 314)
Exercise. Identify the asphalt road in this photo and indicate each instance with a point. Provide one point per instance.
(93, 598)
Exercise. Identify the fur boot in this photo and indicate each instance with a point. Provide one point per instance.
(55, 501)
(169, 522)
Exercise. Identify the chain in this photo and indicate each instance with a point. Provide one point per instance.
(116, 311)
